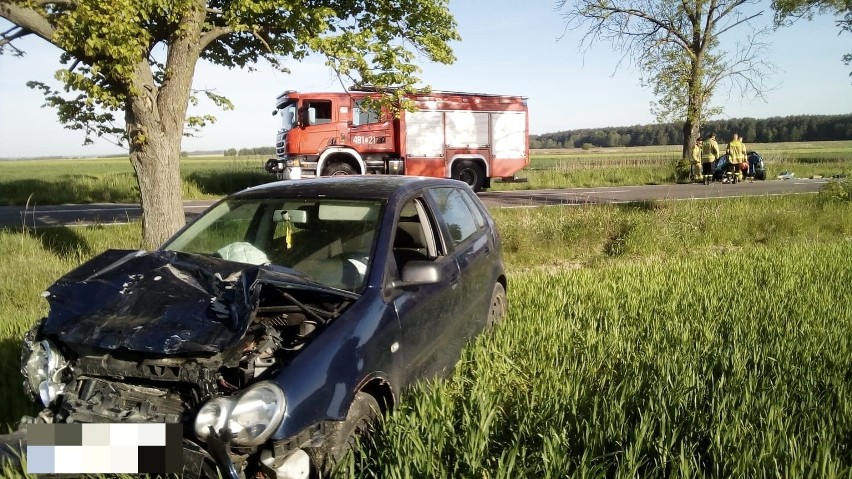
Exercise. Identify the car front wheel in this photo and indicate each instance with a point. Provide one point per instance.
(360, 421)
(497, 307)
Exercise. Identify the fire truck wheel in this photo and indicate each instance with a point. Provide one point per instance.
(471, 173)
(338, 169)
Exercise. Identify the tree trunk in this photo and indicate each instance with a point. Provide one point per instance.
(157, 166)
(694, 105)
(690, 133)
(155, 117)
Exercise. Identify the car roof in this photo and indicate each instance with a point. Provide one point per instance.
(354, 186)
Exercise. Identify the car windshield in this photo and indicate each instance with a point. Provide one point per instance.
(329, 240)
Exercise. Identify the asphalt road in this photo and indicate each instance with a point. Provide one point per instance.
(100, 213)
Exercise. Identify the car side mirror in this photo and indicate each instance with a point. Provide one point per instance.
(418, 273)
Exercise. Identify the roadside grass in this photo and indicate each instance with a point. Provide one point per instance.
(556, 237)
(579, 176)
(31, 261)
(50, 182)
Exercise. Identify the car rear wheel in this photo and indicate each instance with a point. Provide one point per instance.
(497, 307)
(471, 173)
(360, 421)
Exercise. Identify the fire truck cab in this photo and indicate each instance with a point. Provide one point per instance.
(466, 136)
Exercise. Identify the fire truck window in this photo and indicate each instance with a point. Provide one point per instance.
(322, 109)
(362, 115)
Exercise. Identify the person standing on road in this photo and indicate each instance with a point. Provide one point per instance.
(696, 159)
(709, 153)
(736, 152)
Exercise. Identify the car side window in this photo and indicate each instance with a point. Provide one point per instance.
(456, 214)
(477, 214)
(414, 238)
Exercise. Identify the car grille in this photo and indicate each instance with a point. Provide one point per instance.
(98, 400)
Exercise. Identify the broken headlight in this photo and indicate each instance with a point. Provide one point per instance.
(43, 370)
(251, 416)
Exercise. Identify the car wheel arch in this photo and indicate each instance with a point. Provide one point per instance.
(380, 388)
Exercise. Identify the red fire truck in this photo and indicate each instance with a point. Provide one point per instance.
(466, 136)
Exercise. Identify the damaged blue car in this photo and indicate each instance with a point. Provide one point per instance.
(278, 325)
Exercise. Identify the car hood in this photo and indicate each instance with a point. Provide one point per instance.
(161, 302)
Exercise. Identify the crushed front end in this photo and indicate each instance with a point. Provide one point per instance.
(168, 337)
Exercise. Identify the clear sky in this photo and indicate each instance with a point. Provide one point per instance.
(507, 47)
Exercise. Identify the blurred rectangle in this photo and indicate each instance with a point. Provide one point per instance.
(104, 448)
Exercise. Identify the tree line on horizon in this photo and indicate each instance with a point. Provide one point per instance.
(260, 150)
(764, 130)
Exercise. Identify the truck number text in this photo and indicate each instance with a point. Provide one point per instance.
(367, 140)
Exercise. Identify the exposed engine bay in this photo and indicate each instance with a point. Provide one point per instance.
(132, 359)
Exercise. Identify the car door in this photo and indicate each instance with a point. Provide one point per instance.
(426, 312)
(468, 243)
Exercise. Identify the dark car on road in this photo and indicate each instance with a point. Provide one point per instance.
(278, 325)
(756, 167)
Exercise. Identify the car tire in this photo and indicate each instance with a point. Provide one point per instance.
(339, 169)
(362, 417)
(497, 306)
(471, 173)
(760, 175)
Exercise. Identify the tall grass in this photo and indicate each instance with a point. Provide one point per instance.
(730, 365)
(558, 237)
(699, 339)
(29, 263)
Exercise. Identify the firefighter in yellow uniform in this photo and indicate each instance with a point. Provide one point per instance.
(696, 160)
(736, 156)
(709, 154)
